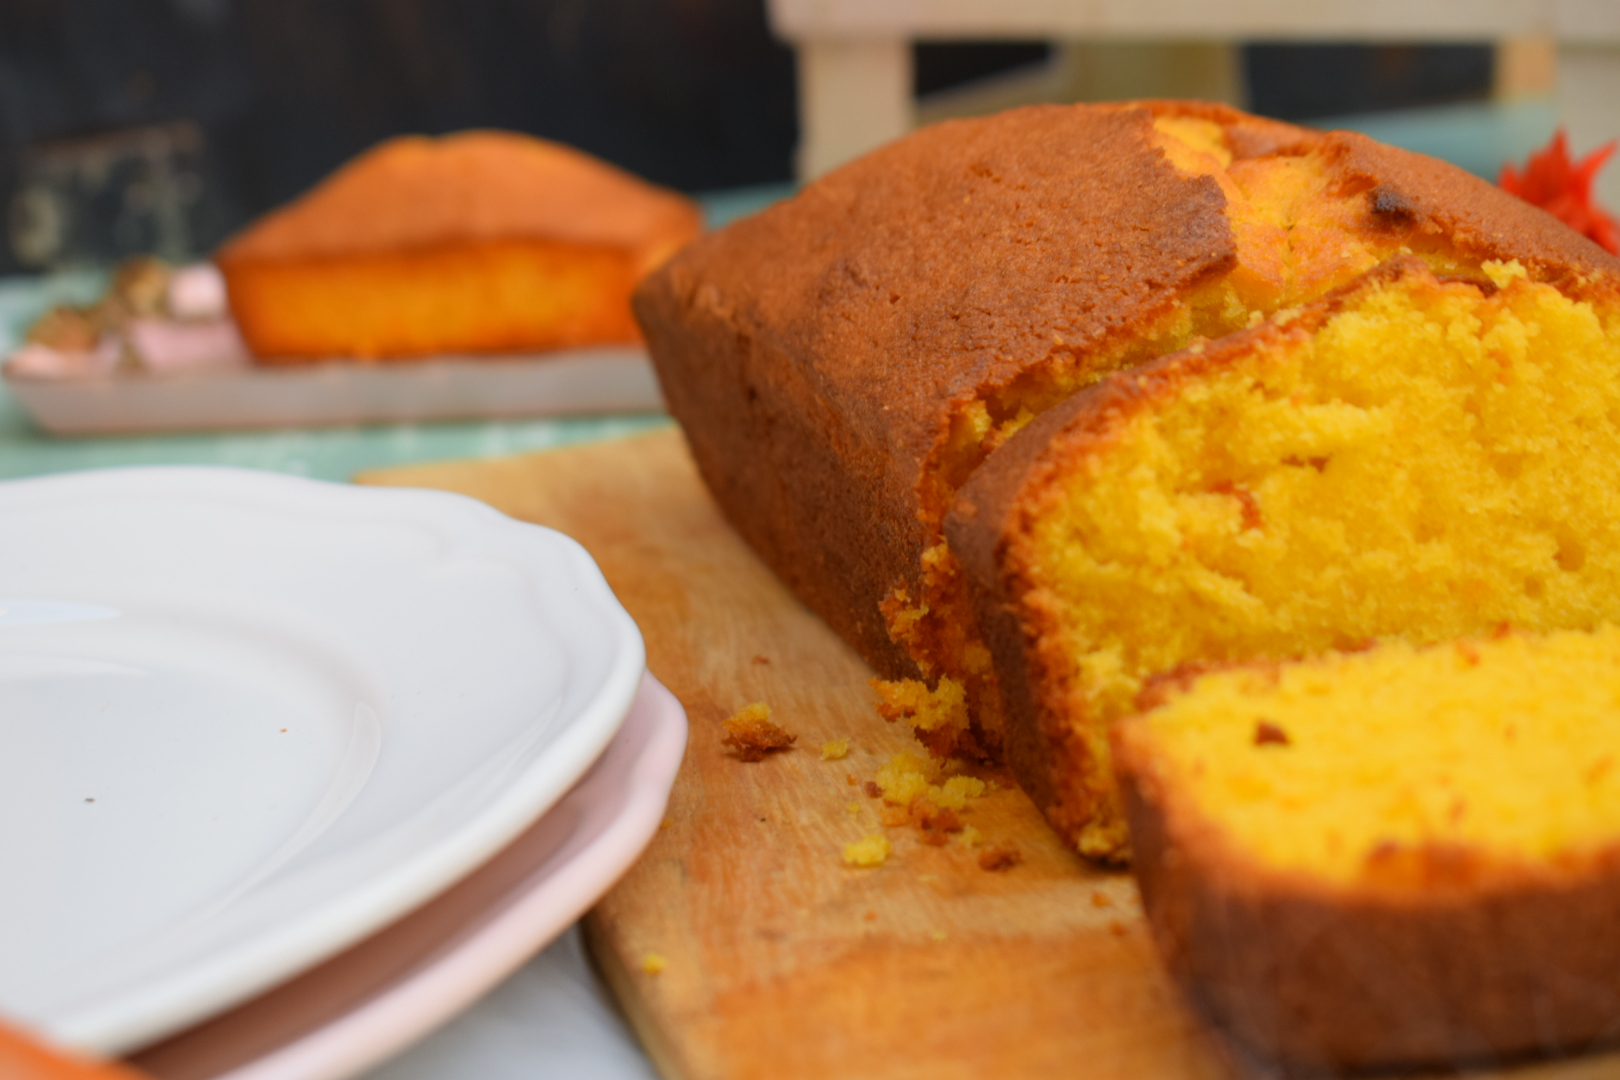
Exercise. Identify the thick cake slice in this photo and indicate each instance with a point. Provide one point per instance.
(1402, 856)
(1419, 457)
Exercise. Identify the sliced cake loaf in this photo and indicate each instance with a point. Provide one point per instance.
(844, 361)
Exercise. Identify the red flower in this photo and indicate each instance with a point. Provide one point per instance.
(1563, 188)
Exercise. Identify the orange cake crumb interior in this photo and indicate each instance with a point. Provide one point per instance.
(1430, 463)
(1504, 749)
(487, 297)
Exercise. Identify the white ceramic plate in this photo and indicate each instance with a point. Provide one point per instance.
(247, 719)
(375, 997)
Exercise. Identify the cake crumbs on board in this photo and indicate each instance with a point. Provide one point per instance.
(1000, 857)
(752, 735)
(870, 851)
(936, 823)
(834, 749)
(653, 964)
(929, 796)
(905, 778)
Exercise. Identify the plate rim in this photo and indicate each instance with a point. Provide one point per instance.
(224, 977)
(513, 927)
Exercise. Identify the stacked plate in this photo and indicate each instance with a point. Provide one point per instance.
(291, 772)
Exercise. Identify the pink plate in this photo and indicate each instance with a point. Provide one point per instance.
(394, 987)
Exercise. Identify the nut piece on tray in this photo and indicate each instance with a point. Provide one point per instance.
(481, 242)
(1395, 857)
(153, 319)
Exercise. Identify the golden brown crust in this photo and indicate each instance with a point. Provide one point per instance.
(1248, 135)
(815, 352)
(1443, 959)
(1427, 196)
(421, 194)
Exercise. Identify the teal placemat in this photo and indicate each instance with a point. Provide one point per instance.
(324, 453)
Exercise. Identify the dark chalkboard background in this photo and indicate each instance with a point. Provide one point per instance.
(138, 125)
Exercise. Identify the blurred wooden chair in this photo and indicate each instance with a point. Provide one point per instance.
(855, 67)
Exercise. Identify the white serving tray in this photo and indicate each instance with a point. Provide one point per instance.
(237, 394)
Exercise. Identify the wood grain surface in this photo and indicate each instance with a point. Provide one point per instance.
(779, 960)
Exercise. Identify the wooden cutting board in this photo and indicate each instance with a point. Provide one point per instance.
(779, 960)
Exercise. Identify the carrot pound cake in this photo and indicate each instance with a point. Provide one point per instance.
(844, 362)
(1416, 457)
(1398, 857)
(481, 242)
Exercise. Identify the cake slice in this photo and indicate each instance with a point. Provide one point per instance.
(1396, 857)
(1418, 456)
(480, 242)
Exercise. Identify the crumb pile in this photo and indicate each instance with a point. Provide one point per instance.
(751, 734)
(923, 794)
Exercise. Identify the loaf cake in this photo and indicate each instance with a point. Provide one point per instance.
(1394, 857)
(843, 363)
(842, 360)
(481, 242)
